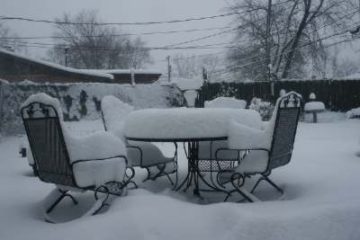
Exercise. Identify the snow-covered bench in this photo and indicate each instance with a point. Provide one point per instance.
(266, 149)
(96, 162)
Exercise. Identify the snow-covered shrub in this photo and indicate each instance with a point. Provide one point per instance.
(81, 100)
(263, 107)
(353, 113)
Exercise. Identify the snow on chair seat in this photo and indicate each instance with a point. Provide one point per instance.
(97, 162)
(140, 154)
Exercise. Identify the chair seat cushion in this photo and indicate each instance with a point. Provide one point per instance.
(94, 146)
(254, 162)
(244, 137)
(151, 155)
(101, 156)
(96, 173)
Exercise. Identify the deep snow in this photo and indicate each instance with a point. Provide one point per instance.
(322, 199)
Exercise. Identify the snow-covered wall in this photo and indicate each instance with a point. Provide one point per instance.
(81, 100)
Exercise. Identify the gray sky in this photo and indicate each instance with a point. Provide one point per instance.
(127, 11)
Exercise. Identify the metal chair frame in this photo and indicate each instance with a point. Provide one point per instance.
(276, 156)
(60, 171)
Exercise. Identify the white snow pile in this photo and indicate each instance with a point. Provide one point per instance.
(58, 66)
(190, 97)
(226, 102)
(188, 84)
(114, 112)
(180, 123)
(321, 200)
(353, 113)
(314, 106)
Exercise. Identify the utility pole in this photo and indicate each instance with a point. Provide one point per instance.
(268, 48)
(169, 68)
(204, 75)
(66, 51)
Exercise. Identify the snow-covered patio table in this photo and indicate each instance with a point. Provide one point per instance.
(188, 125)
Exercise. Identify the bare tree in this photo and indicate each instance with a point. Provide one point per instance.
(83, 42)
(9, 40)
(193, 66)
(294, 36)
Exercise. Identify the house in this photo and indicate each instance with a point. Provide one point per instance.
(15, 68)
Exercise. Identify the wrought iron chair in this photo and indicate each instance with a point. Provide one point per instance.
(265, 150)
(97, 162)
(140, 154)
(215, 156)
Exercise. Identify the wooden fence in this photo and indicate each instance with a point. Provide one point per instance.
(337, 95)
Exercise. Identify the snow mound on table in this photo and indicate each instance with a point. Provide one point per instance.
(185, 123)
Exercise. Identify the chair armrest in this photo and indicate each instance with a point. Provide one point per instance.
(98, 159)
(245, 138)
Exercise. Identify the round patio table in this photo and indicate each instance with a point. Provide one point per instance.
(190, 126)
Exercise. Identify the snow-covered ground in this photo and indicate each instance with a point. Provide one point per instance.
(322, 199)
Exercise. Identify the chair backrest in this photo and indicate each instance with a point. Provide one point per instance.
(113, 112)
(47, 143)
(287, 116)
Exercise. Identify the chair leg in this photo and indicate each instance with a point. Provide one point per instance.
(267, 179)
(238, 181)
(161, 173)
(274, 185)
(257, 183)
(56, 196)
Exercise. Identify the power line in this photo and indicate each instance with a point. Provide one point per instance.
(116, 23)
(119, 35)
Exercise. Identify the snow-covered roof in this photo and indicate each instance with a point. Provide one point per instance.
(58, 66)
(123, 71)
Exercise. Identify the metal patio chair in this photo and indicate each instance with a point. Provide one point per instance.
(97, 162)
(215, 156)
(140, 154)
(264, 150)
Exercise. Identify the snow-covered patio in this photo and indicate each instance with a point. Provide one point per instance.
(322, 199)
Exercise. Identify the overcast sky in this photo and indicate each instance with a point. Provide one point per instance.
(126, 11)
